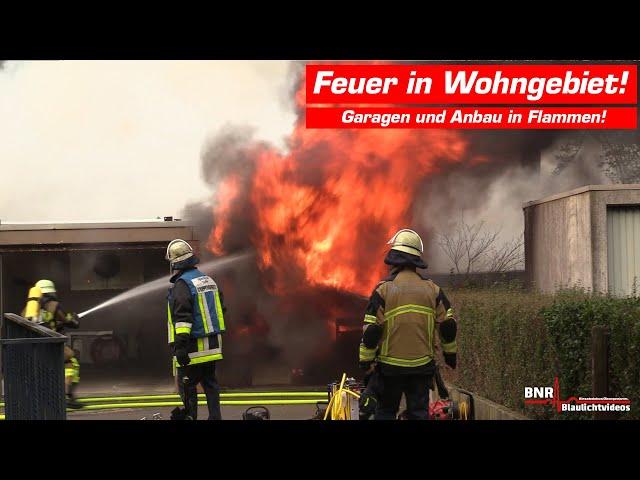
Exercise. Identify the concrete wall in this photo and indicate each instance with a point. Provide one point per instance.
(558, 243)
(485, 409)
(566, 236)
(599, 202)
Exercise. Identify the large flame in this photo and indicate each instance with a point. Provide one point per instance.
(323, 211)
(227, 192)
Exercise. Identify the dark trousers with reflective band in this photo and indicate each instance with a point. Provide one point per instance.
(204, 374)
(416, 392)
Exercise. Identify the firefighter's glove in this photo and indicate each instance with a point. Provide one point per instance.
(72, 320)
(181, 349)
(183, 357)
(449, 330)
(450, 359)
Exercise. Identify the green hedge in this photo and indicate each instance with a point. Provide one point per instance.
(509, 339)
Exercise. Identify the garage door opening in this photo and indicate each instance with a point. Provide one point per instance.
(623, 250)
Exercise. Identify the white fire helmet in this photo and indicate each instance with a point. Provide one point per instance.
(407, 241)
(178, 251)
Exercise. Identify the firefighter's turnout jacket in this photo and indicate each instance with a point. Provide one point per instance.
(51, 315)
(403, 314)
(195, 316)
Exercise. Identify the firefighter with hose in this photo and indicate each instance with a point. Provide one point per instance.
(397, 349)
(43, 307)
(195, 323)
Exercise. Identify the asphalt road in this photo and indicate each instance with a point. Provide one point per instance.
(232, 412)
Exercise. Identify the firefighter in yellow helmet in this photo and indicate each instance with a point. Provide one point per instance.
(43, 306)
(405, 311)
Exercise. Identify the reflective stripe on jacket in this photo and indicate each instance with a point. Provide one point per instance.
(407, 307)
(204, 322)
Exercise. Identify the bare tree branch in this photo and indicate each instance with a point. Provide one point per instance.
(508, 256)
(473, 248)
(453, 248)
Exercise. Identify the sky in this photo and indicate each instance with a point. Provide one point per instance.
(121, 140)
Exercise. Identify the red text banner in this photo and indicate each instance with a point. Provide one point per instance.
(584, 84)
(473, 118)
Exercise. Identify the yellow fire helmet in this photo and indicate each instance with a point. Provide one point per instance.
(407, 241)
(46, 286)
(178, 251)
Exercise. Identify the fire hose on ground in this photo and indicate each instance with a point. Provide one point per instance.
(173, 400)
(202, 396)
(445, 408)
(109, 406)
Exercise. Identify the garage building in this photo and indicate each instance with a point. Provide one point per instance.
(588, 237)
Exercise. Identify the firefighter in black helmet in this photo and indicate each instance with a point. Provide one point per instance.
(397, 350)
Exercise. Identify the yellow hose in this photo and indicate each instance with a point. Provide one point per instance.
(339, 409)
(167, 397)
(202, 395)
(110, 406)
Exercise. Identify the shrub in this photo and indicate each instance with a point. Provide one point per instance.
(509, 339)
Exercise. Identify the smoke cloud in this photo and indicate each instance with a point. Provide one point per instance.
(121, 140)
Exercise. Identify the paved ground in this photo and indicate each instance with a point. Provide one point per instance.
(127, 384)
(278, 412)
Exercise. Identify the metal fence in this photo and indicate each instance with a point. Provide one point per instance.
(33, 370)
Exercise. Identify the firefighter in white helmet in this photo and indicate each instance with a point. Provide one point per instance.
(195, 324)
(43, 306)
(398, 344)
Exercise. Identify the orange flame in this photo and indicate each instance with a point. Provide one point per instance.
(325, 209)
(227, 193)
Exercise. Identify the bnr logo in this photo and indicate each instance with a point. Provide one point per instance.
(538, 392)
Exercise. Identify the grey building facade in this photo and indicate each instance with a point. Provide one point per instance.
(588, 237)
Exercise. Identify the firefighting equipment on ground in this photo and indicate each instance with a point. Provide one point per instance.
(445, 408)
(341, 404)
(257, 412)
(350, 400)
(155, 416)
(407, 241)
